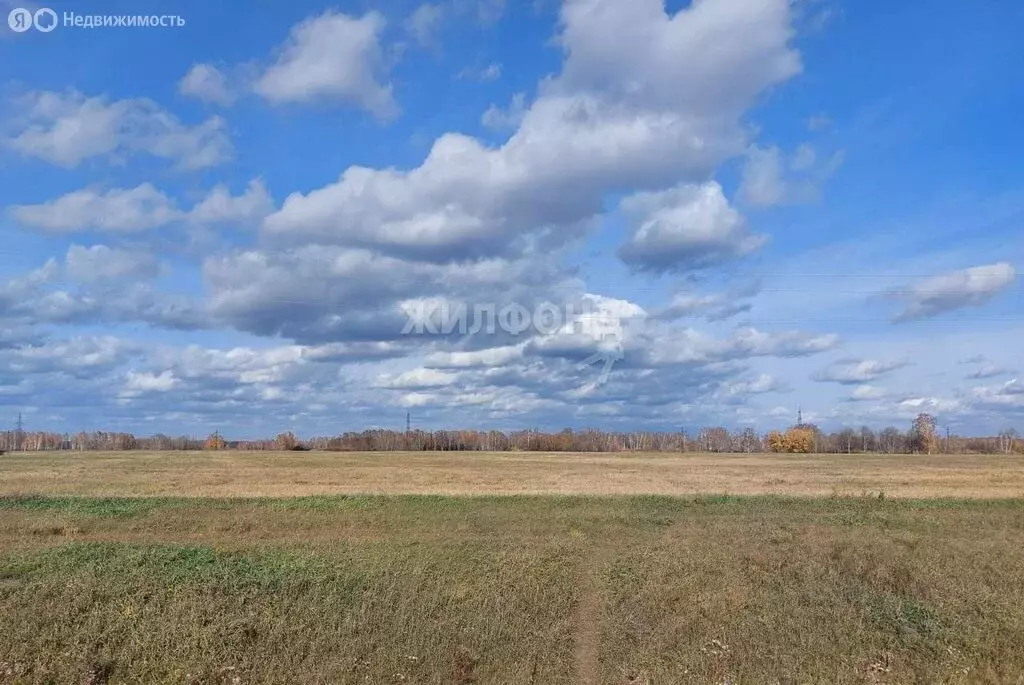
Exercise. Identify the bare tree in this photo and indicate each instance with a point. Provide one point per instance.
(1006, 440)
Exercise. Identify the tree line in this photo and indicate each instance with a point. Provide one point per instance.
(921, 436)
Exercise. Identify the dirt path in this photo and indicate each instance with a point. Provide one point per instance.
(589, 613)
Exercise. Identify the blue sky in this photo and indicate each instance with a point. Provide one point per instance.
(747, 205)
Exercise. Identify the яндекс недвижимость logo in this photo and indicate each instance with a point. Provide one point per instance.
(21, 19)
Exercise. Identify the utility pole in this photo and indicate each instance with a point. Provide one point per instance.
(947, 438)
(18, 434)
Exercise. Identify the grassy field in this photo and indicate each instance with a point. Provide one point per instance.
(289, 474)
(418, 589)
(637, 589)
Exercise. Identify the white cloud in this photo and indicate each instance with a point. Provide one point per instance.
(762, 182)
(117, 210)
(141, 382)
(868, 392)
(420, 378)
(491, 72)
(484, 224)
(763, 383)
(101, 263)
(76, 356)
(333, 55)
(498, 118)
(67, 128)
(971, 287)
(142, 208)
(219, 206)
(857, 371)
(804, 158)
(930, 404)
(485, 12)
(711, 307)
(710, 58)
(685, 228)
(1009, 395)
(644, 100)
(424, 23)
(491, 357)
(207, 83)
(770, 179)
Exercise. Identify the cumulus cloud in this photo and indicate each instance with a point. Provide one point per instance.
(624, 114)
(116, 210)
(647, 106)
(684, 229)
(81, 356)
(333, 55)
(96, 285)
(219, 206)
(972, 287)
(130, 210)
(207, 83)
(101, 263)
(68, 128)
(137, 383)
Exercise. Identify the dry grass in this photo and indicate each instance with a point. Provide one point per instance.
(544, 590)
(178, 568)
(287, 474)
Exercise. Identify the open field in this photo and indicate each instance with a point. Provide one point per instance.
(254, 567)
(545, 590)
(287, 474)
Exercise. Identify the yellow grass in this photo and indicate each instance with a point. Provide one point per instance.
(281, 474)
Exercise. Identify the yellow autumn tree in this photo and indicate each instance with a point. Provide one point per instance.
(214, 442)
(800, 440)
(794, 440)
